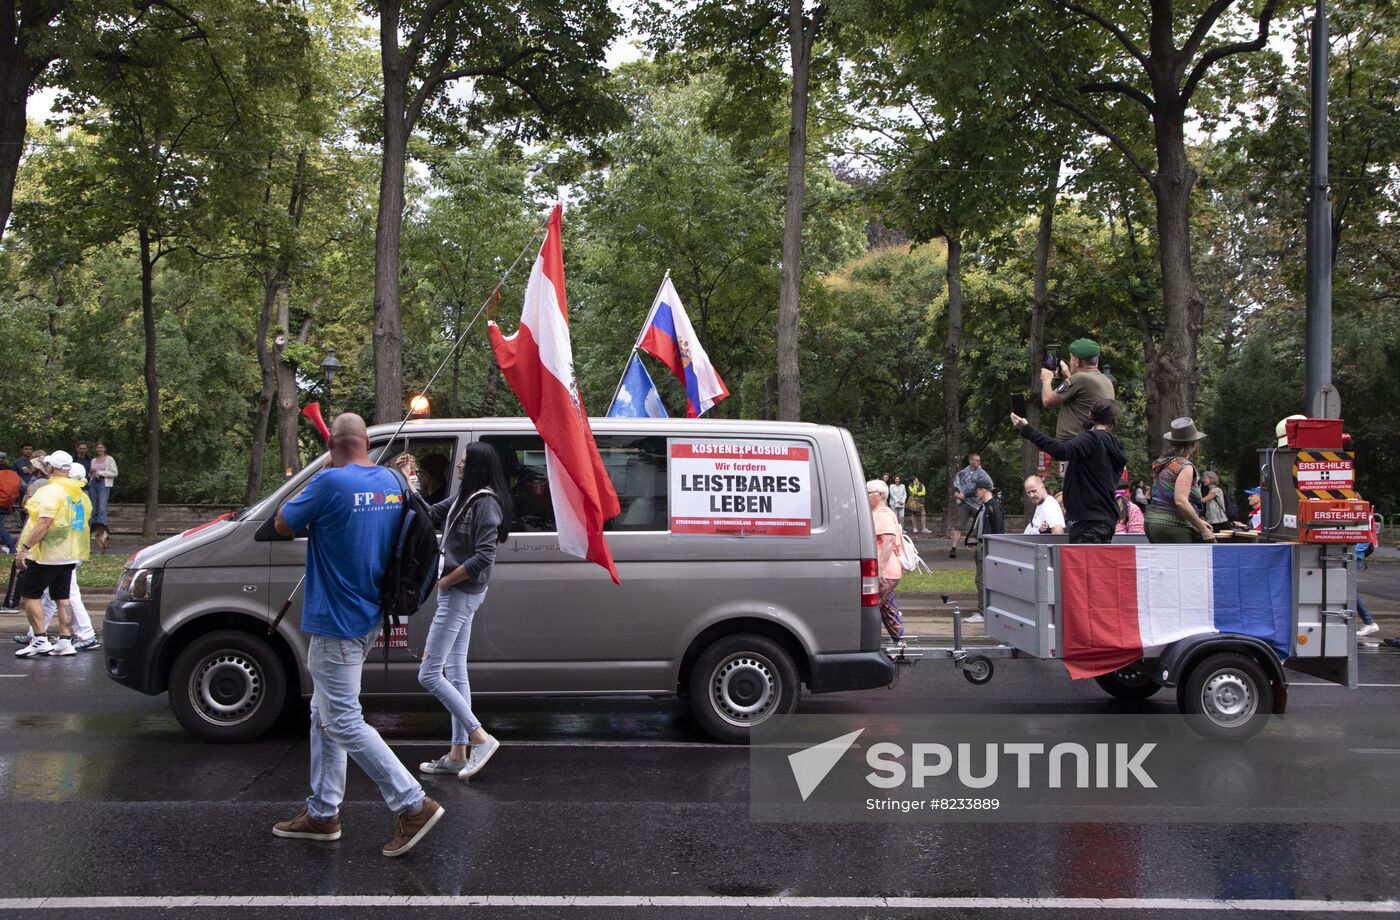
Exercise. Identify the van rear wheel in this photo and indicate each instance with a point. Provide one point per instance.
(741, 681)
(228, 686)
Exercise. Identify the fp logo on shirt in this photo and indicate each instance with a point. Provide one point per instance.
(377, 499)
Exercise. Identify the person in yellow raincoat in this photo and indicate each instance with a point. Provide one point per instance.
(52, 543)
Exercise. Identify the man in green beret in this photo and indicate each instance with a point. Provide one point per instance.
(1084, 385)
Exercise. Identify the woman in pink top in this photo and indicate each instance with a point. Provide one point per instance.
(1129, 515)
(887, 543)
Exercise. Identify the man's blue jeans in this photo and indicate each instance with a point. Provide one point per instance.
(443, 672)
(338, 729)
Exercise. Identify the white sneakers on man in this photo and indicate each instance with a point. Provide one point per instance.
(1369, 629)
(38, 646)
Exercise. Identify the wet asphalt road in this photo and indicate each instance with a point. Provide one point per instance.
(103, 794)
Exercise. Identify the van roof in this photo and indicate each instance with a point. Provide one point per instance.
(669, 426)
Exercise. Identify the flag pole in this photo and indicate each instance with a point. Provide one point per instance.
(641, 333)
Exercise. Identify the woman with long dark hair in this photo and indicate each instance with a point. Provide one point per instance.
(473, 522)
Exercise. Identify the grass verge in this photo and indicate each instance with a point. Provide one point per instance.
(939, 581)
(101, 572)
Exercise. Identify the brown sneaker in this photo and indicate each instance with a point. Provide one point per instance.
(305, 827)
(413, 826)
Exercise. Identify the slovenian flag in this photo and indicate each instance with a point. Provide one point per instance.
(1119, 601)
(537, 360)
(636, 394)
(668, 336)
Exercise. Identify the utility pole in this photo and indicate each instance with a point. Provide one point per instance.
(1321, 399)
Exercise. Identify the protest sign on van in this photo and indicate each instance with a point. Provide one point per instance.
(740, 488)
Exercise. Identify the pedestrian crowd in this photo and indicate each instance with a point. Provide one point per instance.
(1179, 503)
(58, 502)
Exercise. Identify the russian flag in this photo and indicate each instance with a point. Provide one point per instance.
(537, 361)
(1120, 602)
(669, 337)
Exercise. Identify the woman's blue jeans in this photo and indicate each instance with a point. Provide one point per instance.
(443, 672)
(101, 493)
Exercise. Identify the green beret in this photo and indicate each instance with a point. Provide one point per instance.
(1084, 348)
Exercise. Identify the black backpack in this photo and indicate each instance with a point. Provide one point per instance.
(413, 560)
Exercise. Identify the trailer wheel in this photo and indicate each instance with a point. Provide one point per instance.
(977, 669)
(1130, 683)
(1226, 697)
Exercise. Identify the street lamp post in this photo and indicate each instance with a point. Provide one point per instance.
(330, 367)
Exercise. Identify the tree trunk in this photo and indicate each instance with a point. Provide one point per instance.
(388, 228)
(14, 96)
(454, 405)
(493, 382)
(20, 66)
(1155, 422)
(148, 324)
(262, 411)
(274, 283)
(952, 348)
(1183, 309)
(288, 393)
(801, 35)
(1040, 301)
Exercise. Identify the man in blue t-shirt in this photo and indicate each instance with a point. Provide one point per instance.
(353, 509)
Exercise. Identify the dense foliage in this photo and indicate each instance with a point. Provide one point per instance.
(205, 191)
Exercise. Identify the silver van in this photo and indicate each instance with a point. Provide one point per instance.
(745, 551)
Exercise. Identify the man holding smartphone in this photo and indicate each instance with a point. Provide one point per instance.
(1084, 385)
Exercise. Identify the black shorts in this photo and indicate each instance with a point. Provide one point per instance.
(38, 578)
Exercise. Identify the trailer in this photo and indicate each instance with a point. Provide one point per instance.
(1220, 624)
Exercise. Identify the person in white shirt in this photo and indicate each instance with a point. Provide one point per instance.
(1049, 517)
(899, 494)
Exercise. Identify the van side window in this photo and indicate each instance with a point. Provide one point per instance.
(636, 464)
(437, 479)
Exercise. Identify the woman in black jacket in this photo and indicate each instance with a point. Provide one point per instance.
(472, 523)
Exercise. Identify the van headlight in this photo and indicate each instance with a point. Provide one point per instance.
(138, 584)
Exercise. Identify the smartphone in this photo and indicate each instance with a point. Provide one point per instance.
(1018, 404)
(1052, 358)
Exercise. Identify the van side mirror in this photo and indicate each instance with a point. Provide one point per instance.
(267, 532)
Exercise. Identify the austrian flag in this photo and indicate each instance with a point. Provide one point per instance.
(537, 361)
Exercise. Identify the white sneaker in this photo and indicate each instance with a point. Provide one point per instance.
(39, 645)
(63, 648)
(1370, 629)
(975, 618)
(481, 753)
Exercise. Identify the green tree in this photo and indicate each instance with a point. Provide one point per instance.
(532, 68)
(165, 87)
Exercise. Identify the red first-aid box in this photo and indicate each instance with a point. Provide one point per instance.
(1314, 433)
(1334, 521)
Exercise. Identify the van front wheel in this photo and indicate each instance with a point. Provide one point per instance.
(741, 681)
(228, 686)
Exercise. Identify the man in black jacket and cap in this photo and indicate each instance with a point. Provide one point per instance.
(1092, 478)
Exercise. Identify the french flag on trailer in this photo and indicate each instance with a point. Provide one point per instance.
(1117, 601)
(668, 336)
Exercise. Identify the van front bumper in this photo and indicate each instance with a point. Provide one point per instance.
(850, 671)
(132, 643)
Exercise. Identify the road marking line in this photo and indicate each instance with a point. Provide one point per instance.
(1313, 684)
(14, 675)
(689, 901)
